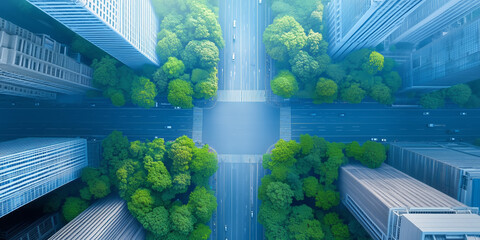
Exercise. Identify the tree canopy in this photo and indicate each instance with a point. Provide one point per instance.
(283, 38)
(284, 84)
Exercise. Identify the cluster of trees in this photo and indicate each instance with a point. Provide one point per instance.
(300, 198)
(188, 46)
(121, 84)
(165, 184)
(464, 95)
(295, 41)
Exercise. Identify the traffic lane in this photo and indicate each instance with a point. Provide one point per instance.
(464, 113)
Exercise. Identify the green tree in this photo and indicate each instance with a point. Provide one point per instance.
(203, 54)
(173, 68)
(374, 63)
(283, 38)
(158, 176)
(382, 94)
(105, 72)
(157, 221)
(433, 100)
(336, 72)
(280, 194)
(340, 231)
(115, 150)
(202, 23)
(117, 98)
(141, 203)
(327, 199)
(316, 46)
(169, 45)
(72, 207)
(392, 80)
(201, 232)
(326, 90)
(374, 154)
(354, 150)
(284, 84)
(353, 94)
(284, 153)
(306, 144)
(181, 153)
(304, 66)
(99, 187)
(180, 93)
(182, 219)
(143, 92)
(310, 186)
(204, 162)
(202, 204)
(459, 94)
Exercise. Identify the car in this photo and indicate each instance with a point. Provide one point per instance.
(374, 139)
(259, 1)
(156, 136)
(234, 36)
(463, 114)
(341, 114)
(168, 127)
(426, 113)
(430, 125)
(452, 139)
(37, 104)
(93, 105)
(453, 131)
(226, 228)
(313, 114)
(234, 23)
(177, 108)
(233, 57)
(251, 214)
(383, 140)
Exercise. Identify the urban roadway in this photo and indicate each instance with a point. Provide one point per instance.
(94, 122)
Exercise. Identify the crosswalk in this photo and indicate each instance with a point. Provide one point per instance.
(241, 96)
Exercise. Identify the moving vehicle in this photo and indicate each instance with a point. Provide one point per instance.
(168, 127)
(384, 140)
(463, 114)
(251, 214)
(426, 113)
(233, 57)
(259, 1)
(234, 23)
(341, 114)
(177, 108)
(435, 125)
(453, 131)
(226, 228)
(374, 139)
(234, 37)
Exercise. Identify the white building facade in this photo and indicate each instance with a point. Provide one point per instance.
(356, 24)
(37, 66)
(33, 167)
(125, 29)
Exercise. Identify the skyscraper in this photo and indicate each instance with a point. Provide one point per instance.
(392, 205)
(37, 66)
(108, 218)
(125, 29)
(33, 167)
(356, 24)
(430, 18)
(452, 168)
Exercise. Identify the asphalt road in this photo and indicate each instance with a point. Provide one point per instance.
(365, 121)
(249, 70)
(237, 196)
(241, 128)
(98, 122)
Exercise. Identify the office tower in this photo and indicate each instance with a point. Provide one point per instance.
(451, 58)
(452, 168)
(23, 229)
(356, 24)
(392, 205)
(33, 167)
(106, 219)
(37, 66)
(125, 29)
(430, 18)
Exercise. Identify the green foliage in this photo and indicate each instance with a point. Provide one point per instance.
(85, 194)
(374, 63)
(382, 94)
(104, 72)
(141, 203)
(374, 154)
(283, 38)
(393, 80)
(180, 93)
(203, 54)
(204, 162)
(336, 72)
(143, 92)
(304, 66)
(157, 221)
(117, 98)
(306, 144)
(182, 219)
(201, 232)
(327, 199)
(201, 23)
(353, 94)
(284, 153)
(310, 186)
(433, 100)
(173, 68)
(459, 94)
(340, 231)
(316, 46)
(206, 87)
(181, 153)
(72, 207)
(158, 175)
(202, 204)
(284, 84)
(280, 194)
(326, 90)
(168, 46)
(160, 79)
(354, 150)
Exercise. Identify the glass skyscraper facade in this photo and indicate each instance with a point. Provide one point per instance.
(125, 29)
(356, 24)
(32, 167)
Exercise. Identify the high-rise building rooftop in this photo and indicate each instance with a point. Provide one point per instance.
(125, 29)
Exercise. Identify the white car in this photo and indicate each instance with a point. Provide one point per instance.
(374, 139)
(226, 228)
(384, 140)
(168, 127)
(233, 57)
(463, 114)
(426, 113)
(234, 23)
(251, 214)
